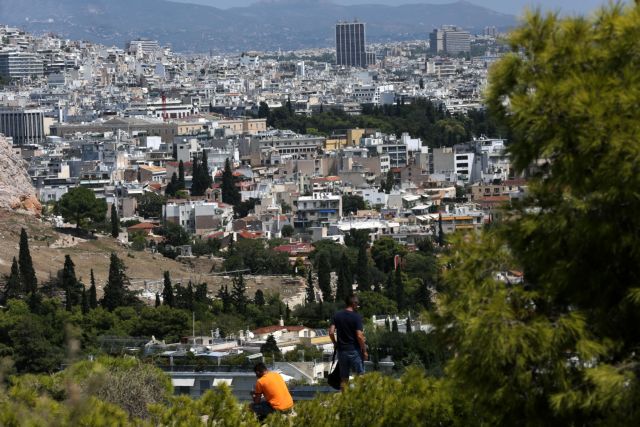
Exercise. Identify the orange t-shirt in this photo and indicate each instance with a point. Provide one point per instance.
(275, 391)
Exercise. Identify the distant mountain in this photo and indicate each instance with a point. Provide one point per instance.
(266, 25)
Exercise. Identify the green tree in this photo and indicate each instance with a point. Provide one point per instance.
(115, 222)
(344, 286)
(239, 294)
(150, 204)
(225, 297)
(441, 238)
(167, 290)
(362, 270)
(116, 291)
(27, 272)
(390, 181)
(230, 193)
(571, 318)
(13, 289)
(310, 297)
(324, 277)
(181, 181)
(352, 203)
(170, 190)
(80, 205)
(93, 297)
(263, 110)
(398, 287)
(270, 347)
(287, 230)
(85, 301)
(384, 251)
(258, 298)
(72, 288)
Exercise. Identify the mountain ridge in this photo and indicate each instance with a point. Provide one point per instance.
(270, 25)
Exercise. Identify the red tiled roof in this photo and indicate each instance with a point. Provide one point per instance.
(275, 328)
(143, 226)
(249, 235)
(295, 248)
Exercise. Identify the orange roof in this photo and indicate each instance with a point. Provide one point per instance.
(249, 235)
(143, 226)
(275, 328)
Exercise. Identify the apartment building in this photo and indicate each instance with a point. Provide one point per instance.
(317, 210)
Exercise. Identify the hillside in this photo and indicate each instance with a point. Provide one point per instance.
(289, 24)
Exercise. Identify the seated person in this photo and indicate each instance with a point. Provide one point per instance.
(275, 391)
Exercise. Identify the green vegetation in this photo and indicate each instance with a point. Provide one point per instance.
(79, 206)
(424, 119)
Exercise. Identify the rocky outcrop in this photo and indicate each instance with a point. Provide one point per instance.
(16, 191)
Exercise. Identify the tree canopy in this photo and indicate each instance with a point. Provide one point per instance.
(80, 206)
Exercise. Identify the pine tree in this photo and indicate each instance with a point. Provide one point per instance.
(224, 296)
(13, 289)
(258, 298)
(116, 291)
(311, 291)
(441, 239)
(344, 286)
(93, 296)
(362, 270)
(115, 221)
(172, 186)
(324, 277)
(270, 347)
(181, 181)
(167, 290)
(239, 294)
(196, 184)
(157, 300)
(72, 288)
(398, 286)
(85, 301)
(230, 193)
(27, 273)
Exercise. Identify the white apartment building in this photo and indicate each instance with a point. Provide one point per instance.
(197, 216)
(317, 210)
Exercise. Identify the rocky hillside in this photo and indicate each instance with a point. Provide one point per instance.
(16, 191)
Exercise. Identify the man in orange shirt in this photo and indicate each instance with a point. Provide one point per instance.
(275, 391)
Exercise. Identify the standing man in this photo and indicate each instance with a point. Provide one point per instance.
(275, 391)
(350, 342)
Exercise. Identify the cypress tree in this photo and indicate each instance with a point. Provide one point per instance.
(93, 297)
(287, 313)
(441, 239)
(72, 288)
(409, 328)
(196, 185)
(172, 186)
(27, 273)
(239, 294)
(311, 292)
(399, 290)
(225, 297)
(167, 291)
(230, 193)
(205, 173)
(389, 182)
(13, 289)
(157, 300)
(85, 301)
(394, 326)
(116, 292)
(389, 290)
(344, 286)
(181, 183)
(258, 298)
(387, 325)
(115, 222)
(362, 270)
(324, 277)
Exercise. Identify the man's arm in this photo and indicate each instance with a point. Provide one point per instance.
(332, 334)
(257, 394)
(361, 342)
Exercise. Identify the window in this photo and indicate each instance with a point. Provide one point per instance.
(205, 385)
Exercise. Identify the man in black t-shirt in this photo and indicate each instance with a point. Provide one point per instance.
(350, 342)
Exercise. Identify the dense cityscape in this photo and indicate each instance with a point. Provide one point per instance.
(174, 219)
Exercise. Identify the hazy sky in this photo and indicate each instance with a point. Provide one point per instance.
(506, 6)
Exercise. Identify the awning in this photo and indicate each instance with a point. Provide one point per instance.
(218, 381)
(183, 382)
(327, 210)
